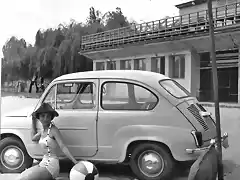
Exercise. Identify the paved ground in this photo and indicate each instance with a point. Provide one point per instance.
(230, 121)
(107, 172)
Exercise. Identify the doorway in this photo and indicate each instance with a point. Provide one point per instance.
(227, 77)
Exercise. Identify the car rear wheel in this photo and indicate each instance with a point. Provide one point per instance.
(13, 156)
(151, 161)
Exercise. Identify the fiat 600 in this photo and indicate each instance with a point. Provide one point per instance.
(140, 118)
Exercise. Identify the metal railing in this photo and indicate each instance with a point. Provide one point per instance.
(196, 23)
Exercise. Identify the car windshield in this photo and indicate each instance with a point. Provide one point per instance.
(174, 88)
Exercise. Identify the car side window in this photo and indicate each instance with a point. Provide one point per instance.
(127, 96)
(76, 95)
(50, 97)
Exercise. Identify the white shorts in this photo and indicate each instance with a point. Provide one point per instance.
(51, 164)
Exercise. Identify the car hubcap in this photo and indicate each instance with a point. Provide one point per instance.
(12, 157)
(151, 163)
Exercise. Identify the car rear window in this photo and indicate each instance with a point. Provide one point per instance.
(174, 88)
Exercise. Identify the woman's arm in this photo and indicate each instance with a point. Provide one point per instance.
(57, 135)
(34, 134)
(36, 137)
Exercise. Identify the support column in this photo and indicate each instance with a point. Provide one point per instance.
(167, 70)
(195, 73)
(105, 64)
(94, 66)
(132, 64)
(148, 63)
(239, 75)
(118, 64)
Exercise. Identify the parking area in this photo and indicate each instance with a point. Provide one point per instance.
(230, 121)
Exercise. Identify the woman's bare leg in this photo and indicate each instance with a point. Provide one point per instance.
(35, 173)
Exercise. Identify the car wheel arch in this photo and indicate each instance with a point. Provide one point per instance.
(5, 135)
(130, 147)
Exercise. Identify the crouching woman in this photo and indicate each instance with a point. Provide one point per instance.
(50, 140)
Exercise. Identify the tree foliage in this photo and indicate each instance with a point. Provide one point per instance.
(56, 50)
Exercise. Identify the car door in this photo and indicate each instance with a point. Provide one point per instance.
(123, 104)
(76, 102)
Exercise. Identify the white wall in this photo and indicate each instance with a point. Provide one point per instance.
(185, 82)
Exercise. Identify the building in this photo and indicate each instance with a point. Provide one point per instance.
(177, 47)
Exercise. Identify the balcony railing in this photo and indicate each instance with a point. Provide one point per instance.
(193, 23)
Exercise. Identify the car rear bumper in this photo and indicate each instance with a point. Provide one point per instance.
(225, 144)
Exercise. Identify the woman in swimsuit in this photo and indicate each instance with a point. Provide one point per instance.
(50, 140)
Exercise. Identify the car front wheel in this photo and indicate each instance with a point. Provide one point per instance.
(151, 161)
(13, 156)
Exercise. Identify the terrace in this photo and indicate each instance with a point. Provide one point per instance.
(226, 19)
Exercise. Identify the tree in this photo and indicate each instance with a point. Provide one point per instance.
(116, 19)
(95, 16)
(38, 38)
(56, 50)
(3, 72)
(94, 21)
(29, 62)
(13, 51)
(58, 38)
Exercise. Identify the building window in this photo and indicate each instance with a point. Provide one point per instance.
(100, 66)
(111, 65)
(140, 64)
(158, 64)
(125, 65)
(177, 66)
(127, 96)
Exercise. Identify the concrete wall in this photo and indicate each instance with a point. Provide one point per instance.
(191, 81)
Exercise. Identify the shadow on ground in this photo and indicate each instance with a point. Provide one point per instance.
(124, 172)
(228, 167)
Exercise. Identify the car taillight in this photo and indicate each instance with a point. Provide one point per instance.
(198, 138)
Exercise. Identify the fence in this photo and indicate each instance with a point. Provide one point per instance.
(20, 86)
(193, 23)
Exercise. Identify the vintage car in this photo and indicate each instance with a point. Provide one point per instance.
(141, 118)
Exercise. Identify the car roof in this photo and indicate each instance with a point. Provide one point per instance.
(147, 77)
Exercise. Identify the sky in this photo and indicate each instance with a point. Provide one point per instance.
(22, 18)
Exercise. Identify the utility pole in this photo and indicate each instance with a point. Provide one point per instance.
(215, 89)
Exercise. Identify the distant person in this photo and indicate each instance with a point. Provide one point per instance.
(42, 84)
(33, 81)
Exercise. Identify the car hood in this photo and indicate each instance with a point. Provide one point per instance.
(23, 112)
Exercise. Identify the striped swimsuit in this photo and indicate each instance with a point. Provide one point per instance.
(50, 160)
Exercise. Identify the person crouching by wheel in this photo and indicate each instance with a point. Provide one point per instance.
(50, 140)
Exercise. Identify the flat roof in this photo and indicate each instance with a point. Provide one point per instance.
(146, 77)
(190, 3)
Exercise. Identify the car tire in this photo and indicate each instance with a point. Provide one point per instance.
(19, 161)
(162, 170)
